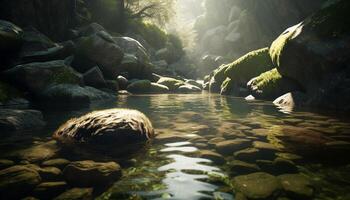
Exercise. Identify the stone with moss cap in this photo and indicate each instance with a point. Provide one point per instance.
(172, 83)
(270, 85)
(218, 77)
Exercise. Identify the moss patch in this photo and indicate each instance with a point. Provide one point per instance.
(249, 66)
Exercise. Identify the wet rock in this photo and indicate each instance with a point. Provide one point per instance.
(168, 138)
(258, 185)
(50, 73)
(213, 156)
(139, 86)
(50, 173)
(17, 181)
(213, 141)
(252, 154)
(37, 153)
(187, 88)
(113, 126)
(16, 120)
(123, 82)
(278, 166)
(48, 190)
(264, 146)
(158, 88)
(6, 163)
(90, 173)
(76, 194)
(134, 68)
(59, 163)
(94, 78)
(260, 132)
(241, 168)
(171, 83)
(132, 46)
(297, 186)
(290, 100)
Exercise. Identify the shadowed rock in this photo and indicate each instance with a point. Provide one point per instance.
(113, 126)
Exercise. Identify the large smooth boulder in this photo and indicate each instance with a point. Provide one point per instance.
(134, 47)
(102, 50)
(270, 85)
(94, 78)
(310, 52)
(114, 126)
(16, 120)
(17, 181)
(35, 77)
(10, 41)
(188, 88)
(172, 83)
(89, 173)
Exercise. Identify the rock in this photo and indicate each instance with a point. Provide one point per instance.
(71, 96)
(171, 83)
(264, 146)
(187, 88)
(249, 66)
(278, 166)
(290, 100)
(241, 168)
(10, 42)
(17, 181)
(113, 126)
(270, 85)
(50, 73)
(37, 153)
(316, 42)
(297, 186)
(50, 173)
(101, 49)
(48, 190)
(134, 68)
(158, 88)
(122, 81)
(252, 154)
(208, 63)
(258, 185)
(16, 120)
(94, 78)
(90, 173)
(33, 40)
(213, 156)
(134, 47)
(230, 146)
(76, 194)
(217, 79)
(140, 86)
(112, 85)
(195, 83)
(59, 163)
(6, 163)
(230, 87)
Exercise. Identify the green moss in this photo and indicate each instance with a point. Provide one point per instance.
(227, 87)
(171, 83)
(268, 80)
(249, 66)
(217, 78)
(64, 76)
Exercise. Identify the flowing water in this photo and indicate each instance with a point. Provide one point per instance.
(175, 166)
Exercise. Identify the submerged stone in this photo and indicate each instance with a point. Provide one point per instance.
(230, 146)
(113, 126)
(48, 190)
(297, 186)
(76, 194)
(89, 173)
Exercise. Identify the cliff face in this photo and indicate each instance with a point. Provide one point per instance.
(54, 18)
(232, 28)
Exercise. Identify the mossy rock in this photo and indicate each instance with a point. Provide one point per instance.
(311, 51)
(249, 66)
(218, 78)
(172, 83)
(158, 88)
(270, 85)
(140, 86)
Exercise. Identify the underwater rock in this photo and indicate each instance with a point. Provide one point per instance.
(258, 185)
(113, 126)
(89, 173)
(230, 146)
(48, 190)
(252, 154)
(15, 120)
(297, 186)
(58, 162)
(213, 156)
(76, 194)
(16, 181)
(241, 168)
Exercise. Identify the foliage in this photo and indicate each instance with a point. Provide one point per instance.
(249, 66)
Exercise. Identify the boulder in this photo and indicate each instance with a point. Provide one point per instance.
(217, 78)
(158, 88)
(10, 42)
(53, 72)
(270, 85)
(241, 168)
(258, 185)
(291, 100)
(58, 162)
(134, 68)
(94, 78)
(17, 181)
(213, 156)
(230, 87)
(188, 88)
(102, 50)
(195, 83)
(171, 83)
(17, 120)
(36, 153)
(114, 126)
(140, 86)
(71, 96)
(122, 82)
(249, 66)
(48, 190)
(33, 41)
(230, 146)
(89, 173)
(134, 47)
